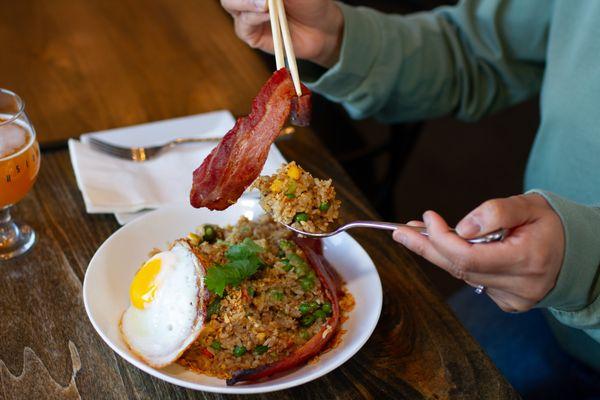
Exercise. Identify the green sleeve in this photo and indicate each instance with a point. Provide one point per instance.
(467, 60)
(575, 299)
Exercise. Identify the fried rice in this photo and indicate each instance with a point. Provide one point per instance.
(294, 197)
(268, 315)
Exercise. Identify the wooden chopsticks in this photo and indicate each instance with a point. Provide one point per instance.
(280, 28)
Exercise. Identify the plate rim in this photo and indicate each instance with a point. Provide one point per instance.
(242, 389)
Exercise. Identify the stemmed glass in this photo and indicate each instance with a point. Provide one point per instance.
(19, 167)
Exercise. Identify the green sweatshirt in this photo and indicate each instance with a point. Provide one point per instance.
(479, 57)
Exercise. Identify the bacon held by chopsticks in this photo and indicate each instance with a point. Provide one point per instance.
(312, 248)
(240, 156)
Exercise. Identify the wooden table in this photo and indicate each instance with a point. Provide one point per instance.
(85, 66)
(88, 65)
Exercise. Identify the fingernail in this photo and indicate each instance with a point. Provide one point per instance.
(261, 5)
(399, 237)
(468, 227)
(426, 217)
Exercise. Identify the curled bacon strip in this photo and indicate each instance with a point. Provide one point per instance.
(313, 250)
(240, 156)
(204, 296)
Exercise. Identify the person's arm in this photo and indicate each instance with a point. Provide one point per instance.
(575, 299)
(467, 60)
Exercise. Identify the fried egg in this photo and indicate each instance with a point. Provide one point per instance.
(167, 303)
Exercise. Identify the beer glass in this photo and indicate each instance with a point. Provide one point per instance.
(19, 166)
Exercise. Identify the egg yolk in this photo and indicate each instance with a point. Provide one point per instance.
(143, 287)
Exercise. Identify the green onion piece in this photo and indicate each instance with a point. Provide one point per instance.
(324, 206)
(302, 270)
(286, 266)
(277, 296)
(304, 308)
(261, 349)
(251, 291)
(307, 283)
(327, 308)
(314, 305)
(239, 351)
(301, 217)
(320, 314)
(216, 345)
(213, 307)
(210, 234)
(295, 259)
(304, 334)
(290, 195)
(307, 320)
(291, 188)
(285, 244)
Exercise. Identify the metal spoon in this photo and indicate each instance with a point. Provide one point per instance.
(490, 237)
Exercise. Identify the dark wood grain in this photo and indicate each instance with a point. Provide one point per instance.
(418, 350)
(87, 65)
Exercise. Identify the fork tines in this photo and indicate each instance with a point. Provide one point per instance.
(117, 151)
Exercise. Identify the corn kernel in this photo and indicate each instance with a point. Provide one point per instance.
(276, 186)
(261, 336)
(194, 239)
(293, 172)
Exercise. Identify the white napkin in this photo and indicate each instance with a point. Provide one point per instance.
(113, 185)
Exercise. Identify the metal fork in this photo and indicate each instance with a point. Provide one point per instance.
(490, 237)
(146, 153)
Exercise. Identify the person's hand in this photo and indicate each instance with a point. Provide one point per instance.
(315, 25)
(517, 272)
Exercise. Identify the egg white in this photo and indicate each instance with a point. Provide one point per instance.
(172, 321)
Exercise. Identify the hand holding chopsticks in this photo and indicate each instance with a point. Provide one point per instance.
(316, 28)
(280, 29)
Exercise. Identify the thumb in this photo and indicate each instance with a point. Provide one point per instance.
(507, 213)
(253, 29)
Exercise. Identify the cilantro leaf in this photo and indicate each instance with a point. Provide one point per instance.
(244, 250)
(243, 262)
(216, 279)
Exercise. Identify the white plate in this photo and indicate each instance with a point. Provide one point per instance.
(106, 291)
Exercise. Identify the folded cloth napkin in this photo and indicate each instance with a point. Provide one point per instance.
(113, 185)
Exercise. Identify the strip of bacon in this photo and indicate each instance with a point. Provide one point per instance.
(204, 296)
(301, 108)
(240, 156)
(313, 250)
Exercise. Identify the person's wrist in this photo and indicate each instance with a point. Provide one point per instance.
(332, 38)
